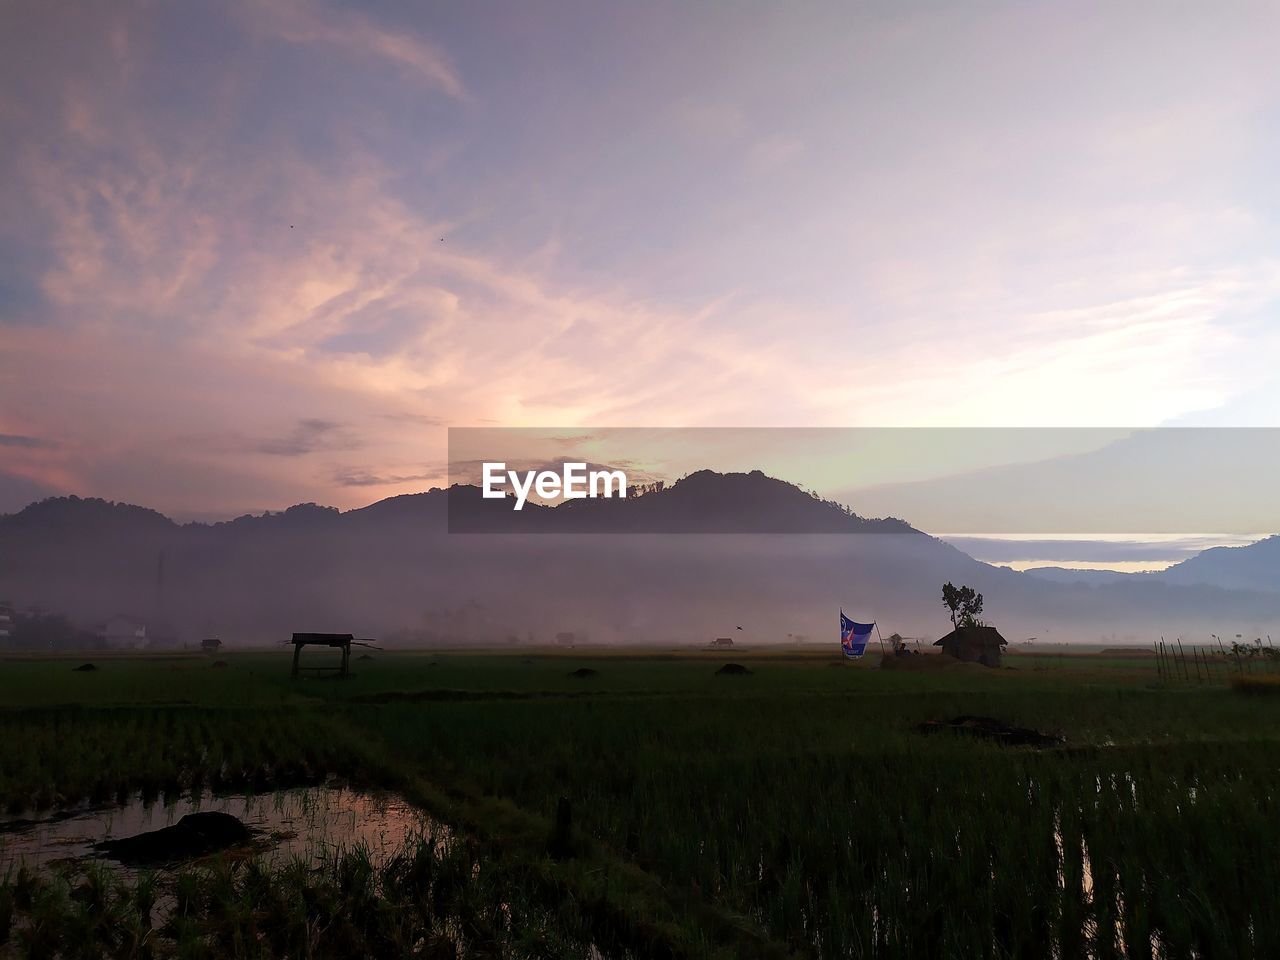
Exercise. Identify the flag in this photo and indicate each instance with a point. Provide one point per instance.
(854, 636)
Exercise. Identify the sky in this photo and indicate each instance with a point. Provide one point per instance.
(263, 252)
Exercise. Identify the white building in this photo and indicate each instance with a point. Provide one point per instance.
(123, 632)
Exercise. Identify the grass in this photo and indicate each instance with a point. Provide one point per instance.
(792, 812)
(429, 900)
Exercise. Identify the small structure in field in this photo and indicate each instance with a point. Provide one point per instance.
(341, 641)
(210, 644)
(722, 642)
(123, 632)
(975, 644)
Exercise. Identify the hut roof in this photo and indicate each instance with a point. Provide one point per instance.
(332, 639)
(978, 635)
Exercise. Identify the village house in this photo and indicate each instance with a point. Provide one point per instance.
(123, 632)
(975, 644)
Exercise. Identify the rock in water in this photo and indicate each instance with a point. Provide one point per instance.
(733, 670)
(195, 835)
(584, 673)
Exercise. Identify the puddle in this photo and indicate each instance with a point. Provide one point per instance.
(306, 822)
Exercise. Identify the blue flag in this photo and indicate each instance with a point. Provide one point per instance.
(854, 636)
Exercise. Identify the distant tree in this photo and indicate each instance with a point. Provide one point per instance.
(50, 631)
(646, 489)
(965, 604)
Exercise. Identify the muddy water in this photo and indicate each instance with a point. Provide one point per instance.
(307, 822)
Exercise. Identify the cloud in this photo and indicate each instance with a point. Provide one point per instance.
(313, 24)
(363, 478)
(29, 443)
(771, 154)
(713, 121)
(421, 419)
(308, 436)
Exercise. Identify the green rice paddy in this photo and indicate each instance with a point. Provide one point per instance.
(793, 812)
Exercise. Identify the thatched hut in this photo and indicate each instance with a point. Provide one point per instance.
(976, 644)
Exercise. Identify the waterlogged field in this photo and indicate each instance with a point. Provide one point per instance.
(794, 811)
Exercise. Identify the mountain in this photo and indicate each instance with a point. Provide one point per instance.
(1252, 567)
(702, 502)
(449, 566)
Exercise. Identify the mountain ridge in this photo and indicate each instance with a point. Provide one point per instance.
(393, 568)
(704, 501)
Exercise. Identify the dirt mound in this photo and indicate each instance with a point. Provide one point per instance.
(219, 664)
(84, 668)
(988, 728)
(583, 673)
(364, 656)
(195, 835)
(733, 670)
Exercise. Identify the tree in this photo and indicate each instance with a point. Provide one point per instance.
(964, 603)
(50, 631)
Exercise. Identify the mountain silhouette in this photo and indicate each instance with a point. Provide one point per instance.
(757, 551)
(702, 502)
(1252, 567)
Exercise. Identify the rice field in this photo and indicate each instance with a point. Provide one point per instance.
(795, 811)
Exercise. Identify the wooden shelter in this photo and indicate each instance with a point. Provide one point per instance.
(210, 644)
(976, 644)
(340, 640)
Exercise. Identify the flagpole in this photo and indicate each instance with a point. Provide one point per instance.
(878, 637)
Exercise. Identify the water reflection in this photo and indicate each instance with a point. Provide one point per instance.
(307, 822)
